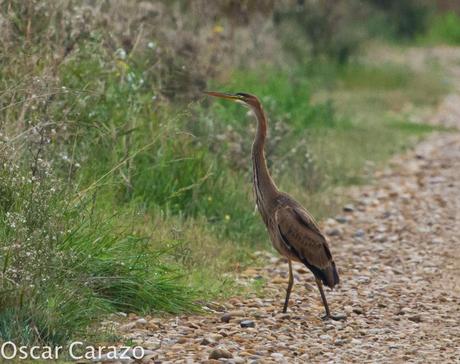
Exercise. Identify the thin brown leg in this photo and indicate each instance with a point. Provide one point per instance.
(323, 297)
(289, 288)
(326, 306)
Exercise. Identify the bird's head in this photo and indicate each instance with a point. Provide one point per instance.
(244, 98)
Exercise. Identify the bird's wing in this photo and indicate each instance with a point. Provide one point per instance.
(302, 236)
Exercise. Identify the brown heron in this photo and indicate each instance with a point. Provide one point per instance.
(293, 231)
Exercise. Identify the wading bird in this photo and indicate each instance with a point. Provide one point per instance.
(293, 231)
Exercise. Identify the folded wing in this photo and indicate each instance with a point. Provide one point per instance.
(303, 238)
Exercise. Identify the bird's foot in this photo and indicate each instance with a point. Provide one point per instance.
(340, 317)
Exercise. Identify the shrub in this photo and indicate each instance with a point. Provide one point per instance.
(327, 28)
(404, 19)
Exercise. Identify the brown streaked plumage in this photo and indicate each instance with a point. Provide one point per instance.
(293, 231)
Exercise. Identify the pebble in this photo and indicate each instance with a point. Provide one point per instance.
(349, 208)
(415, 318)
(277, 356)
(226, 317)
(247, 323)
(362, 279)
(207, 341)
(404, 310)
(152, 344)
(340, 317)
(237, 313)
(141, 322)
(333, 232)
(219, 353)
(340, 342)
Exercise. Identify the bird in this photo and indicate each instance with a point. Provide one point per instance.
(293, 231)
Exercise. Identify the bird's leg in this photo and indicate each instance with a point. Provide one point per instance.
(289, 288)
(323, 297)
(326, 306)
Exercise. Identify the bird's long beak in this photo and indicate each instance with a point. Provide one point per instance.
(222, 95)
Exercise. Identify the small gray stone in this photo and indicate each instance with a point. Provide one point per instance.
(247, 323)
(152, 344)
(340, 342)
(380, 238)
(386, 214)
(404, 310)
(207, 341)
(349, 208)
(338, 318)
(333, 232)
(277, 356)
(415, 318)
(226, 317)
(141, 322)
(219, 353)
(363, 279)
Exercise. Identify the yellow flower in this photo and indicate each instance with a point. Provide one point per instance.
(122, 66)
(227, 217)
(217, 29)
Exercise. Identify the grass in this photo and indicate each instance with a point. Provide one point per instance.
(115, 197)
(63, 266)
(444, 28)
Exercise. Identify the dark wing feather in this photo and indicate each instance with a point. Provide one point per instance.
(302, 236)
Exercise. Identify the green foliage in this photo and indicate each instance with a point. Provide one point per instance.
(444, 28)
(383, 77)
(159, 164)
(62, 266)
(286, 96)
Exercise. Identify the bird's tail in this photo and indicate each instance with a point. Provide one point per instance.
(330, 276)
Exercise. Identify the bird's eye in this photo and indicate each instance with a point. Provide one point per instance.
(241, 94)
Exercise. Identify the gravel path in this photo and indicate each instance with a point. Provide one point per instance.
(398, 252)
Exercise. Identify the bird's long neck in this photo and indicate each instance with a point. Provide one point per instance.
(264, 187)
